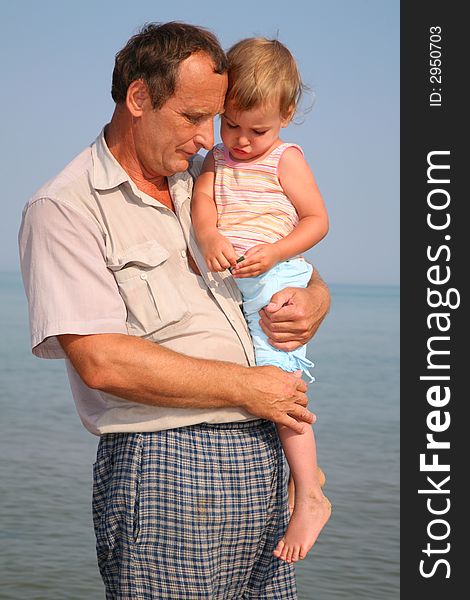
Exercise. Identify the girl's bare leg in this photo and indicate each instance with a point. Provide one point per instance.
(291, 487)
(311, 508)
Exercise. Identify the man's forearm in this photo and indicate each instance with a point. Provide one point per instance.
(144, 372)
(321, 300)
(141, 371)
(317, 285)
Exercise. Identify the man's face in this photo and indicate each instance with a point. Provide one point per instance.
(166, 138)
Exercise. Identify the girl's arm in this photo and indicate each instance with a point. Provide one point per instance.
(216, 249)
(300, 187)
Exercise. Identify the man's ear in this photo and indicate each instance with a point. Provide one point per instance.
(137, 96)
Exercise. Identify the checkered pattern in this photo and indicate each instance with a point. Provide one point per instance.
(192, 513)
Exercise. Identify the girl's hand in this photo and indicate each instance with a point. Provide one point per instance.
(258, 259)
(218, 252)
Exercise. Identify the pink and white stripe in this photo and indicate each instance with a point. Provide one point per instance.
(252, 207)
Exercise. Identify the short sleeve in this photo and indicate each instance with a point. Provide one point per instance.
(67, 283)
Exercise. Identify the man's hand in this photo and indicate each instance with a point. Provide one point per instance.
(218, 251)
(273, 394)
(294, 314)
(258, 260)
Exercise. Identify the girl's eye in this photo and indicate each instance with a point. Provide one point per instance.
(231, 126)
(259, 132)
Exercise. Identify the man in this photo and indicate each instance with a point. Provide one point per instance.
(189, 491)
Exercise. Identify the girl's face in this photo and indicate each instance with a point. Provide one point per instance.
(251, 134)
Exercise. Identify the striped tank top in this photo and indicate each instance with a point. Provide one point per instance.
(252, 207)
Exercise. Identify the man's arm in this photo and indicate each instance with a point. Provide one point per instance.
(141, 371)
(295, 314)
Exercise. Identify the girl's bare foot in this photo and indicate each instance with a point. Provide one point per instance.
(308, 519)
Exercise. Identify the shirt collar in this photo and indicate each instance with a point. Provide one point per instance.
(107, 172)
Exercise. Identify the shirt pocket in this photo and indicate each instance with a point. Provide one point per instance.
(150, 293)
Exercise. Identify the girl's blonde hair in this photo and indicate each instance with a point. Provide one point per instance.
(261, 72)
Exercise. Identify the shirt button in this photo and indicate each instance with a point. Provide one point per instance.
(183, 253)
(143, 275)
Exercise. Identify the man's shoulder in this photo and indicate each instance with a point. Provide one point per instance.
(70, 183)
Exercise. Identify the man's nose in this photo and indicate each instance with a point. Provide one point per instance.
(205, 134)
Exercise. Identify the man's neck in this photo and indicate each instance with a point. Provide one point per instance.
(119, 139)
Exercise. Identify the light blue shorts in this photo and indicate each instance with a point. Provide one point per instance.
(257, 293)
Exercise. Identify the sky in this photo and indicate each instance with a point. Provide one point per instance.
(57, 58)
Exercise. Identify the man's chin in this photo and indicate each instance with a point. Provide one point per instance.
(177, 166)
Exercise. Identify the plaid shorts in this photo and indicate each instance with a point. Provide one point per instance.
(192, 513)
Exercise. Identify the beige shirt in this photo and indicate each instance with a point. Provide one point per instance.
(100, 256)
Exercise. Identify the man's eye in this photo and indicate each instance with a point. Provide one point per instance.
(193, 119)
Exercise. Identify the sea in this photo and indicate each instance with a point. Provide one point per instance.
(46, 535)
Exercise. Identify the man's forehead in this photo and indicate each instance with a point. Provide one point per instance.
(198, 66)
(202, 96)
(198, 107)
(196, 74)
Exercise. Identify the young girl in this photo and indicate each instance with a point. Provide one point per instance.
(255, 209)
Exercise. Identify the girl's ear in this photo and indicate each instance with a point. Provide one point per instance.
(285, 120)
(137, 94)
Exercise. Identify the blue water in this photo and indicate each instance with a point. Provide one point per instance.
(46, 537)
